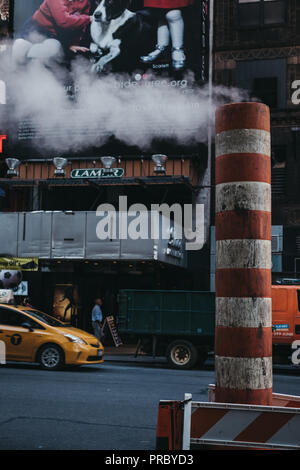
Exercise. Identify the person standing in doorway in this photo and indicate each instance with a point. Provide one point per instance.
(97, 318)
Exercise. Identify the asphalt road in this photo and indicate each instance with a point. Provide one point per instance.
(110, 407)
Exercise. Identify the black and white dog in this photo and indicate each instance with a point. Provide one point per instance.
(114, 30)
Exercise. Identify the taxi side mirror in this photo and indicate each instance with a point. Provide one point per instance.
(27, 325)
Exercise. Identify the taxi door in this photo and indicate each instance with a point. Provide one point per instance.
(19, 341)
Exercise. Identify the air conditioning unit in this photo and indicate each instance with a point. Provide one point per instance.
(279, 176)
(277, 239)
(275, 243)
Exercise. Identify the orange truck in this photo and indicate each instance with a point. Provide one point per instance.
(285, 317)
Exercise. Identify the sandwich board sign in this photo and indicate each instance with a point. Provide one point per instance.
(110, 321)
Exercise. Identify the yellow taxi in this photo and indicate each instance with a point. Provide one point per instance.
(33, 336)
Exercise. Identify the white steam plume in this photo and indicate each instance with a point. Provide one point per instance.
(133, 111)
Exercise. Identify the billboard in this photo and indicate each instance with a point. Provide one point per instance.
(117, 76)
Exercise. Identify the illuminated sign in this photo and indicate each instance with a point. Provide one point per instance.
(97, 173)
(2, 137)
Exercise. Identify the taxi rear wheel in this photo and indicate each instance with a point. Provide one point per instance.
(50, 357)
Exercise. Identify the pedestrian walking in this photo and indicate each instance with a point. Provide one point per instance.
(97, 318)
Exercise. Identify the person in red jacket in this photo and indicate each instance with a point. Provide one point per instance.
(56, 28)
(170, 26)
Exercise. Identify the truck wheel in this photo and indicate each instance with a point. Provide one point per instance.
(182, 354)
(50, 357)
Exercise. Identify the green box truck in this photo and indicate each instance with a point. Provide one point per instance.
(181, 324)
(177, 324)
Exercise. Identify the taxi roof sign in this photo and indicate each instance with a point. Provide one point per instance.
(6, 296)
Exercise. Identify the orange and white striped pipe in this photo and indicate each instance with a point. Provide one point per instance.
(243, 340)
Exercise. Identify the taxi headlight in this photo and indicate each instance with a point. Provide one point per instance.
(74, 339)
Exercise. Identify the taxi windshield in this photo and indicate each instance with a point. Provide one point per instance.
(43, 317)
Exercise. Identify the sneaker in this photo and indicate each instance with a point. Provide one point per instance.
(154, 55)
(178, 58)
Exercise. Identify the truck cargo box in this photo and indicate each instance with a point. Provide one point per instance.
(167, 312)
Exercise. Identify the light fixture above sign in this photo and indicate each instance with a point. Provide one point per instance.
(159, 161)
(12, 164)
(60, 163)
(108, 162)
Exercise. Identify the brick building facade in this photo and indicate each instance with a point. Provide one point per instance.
(257, 48)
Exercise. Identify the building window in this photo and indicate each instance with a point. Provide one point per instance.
(297, 265)
(249, 13)
(265, 88)
(264, 80)
(279, 172)
(253, 13)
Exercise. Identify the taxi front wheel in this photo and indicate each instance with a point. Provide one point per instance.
(50, 357)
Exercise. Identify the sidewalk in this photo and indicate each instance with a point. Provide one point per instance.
(126, 354)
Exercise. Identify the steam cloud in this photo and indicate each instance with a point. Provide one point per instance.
(134, 110)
